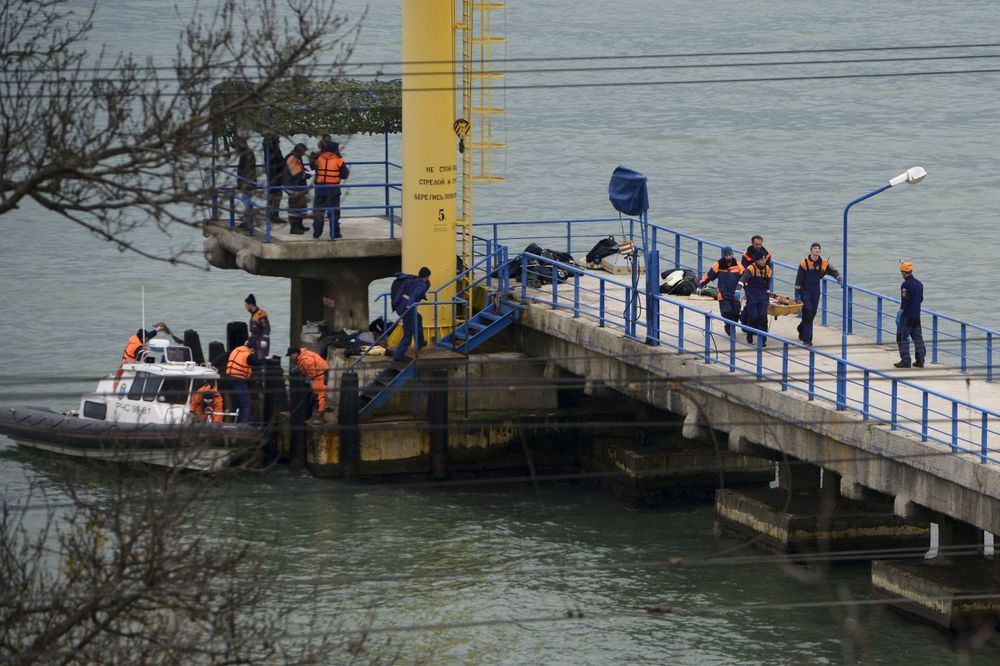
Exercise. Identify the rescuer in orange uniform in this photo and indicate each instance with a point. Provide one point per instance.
(315, 368)
(329, 172)
(207, 399)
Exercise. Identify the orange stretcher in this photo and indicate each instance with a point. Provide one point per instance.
(779, 305)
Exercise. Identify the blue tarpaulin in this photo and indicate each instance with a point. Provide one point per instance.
(627, 191)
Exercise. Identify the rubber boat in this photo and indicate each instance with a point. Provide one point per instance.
(144, 416)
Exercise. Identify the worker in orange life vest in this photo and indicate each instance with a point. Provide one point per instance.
(132, 348)
(239, 367)
(329, 172)
(315, 368)
(207, 399)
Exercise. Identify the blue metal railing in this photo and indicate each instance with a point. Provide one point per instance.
(389, 205)
(969, 346)
(691, 331)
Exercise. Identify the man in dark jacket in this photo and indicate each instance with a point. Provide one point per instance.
(811, 272)
(275, 165)
(911, 295)
(757, 280)
(412, 291)
(294, 176)
(755, 251)
(246, 178)
(727, 271)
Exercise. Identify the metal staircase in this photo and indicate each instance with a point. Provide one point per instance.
(496, 316)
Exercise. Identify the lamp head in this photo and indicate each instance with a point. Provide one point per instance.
(911, 176)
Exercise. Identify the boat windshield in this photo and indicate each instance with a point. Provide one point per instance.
(149, 387)
(176, 354)
(175, 390)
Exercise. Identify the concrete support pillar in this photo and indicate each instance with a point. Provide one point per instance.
(306, 305)
(830, 490)
(798, 476)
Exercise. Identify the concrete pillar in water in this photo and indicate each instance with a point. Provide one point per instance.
(350, 433)
(429, 147)
(437, 422)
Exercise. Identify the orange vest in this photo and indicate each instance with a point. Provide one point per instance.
(132, 348)
(238, 365)
(198, 403)
(312, 364)
(328, 168)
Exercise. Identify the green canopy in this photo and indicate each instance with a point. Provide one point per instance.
(311, 108)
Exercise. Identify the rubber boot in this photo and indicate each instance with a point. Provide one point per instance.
(297, 226)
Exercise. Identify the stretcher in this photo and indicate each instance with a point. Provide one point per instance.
(778, 306)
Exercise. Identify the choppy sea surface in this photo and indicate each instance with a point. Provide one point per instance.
(724, 160)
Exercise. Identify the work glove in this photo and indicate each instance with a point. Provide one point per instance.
(840, 281)
(798, 297)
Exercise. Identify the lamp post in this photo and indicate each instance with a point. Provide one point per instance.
(911, 176)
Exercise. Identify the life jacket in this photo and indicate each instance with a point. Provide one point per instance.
(757, 280)
(294, 173)
(132, 348)
(238, 365)
(328, 168)
(312, 364)
(198, 403)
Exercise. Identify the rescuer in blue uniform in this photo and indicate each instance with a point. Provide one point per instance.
(911, 295)
(757, 281)
(727, 272)
(755, 250)
(412, 291)
(812, 270)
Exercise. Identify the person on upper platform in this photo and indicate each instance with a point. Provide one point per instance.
(811, 272)
(755, 250)
(260, 327)
(727, 271)
(330, 172)
(413, 290)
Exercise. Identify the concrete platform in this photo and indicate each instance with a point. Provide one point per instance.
(800, 523)
(665, 471)
(961, 595)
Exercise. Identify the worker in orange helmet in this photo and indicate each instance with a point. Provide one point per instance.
(316, 370)
(207, 400)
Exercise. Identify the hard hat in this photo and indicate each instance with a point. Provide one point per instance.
(905, 267)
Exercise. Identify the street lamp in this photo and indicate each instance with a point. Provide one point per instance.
(911, 176)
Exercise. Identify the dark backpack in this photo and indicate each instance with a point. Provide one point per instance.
(604, 248)
(345, 171)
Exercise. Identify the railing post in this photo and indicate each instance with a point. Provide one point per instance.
(569, 237)
(232, 211)
(850, 309)
(784, 366)
(732, 347)
(989, 356)
(895, 403)
(923, 416)
(652, 298)
(954, 426)
(822, 307)
(965, 364)
(866, 400)
(812, 375)
(680, 329)
(708, 337)
(524, 278)
(677, 249)
(760, 356)
(841, 384)
(934, 339)
(576, 296)
(984, 441)
(489, 265)
(700, 261)
(555, 286)
(386, 137)
(600, 306)
(878, 320)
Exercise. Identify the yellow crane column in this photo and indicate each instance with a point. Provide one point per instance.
(430, 172)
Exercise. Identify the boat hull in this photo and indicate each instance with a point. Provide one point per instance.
(205, 446)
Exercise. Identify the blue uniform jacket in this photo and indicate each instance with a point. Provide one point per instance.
(911, 293)
(728, 277)
(811, 273)
(412, 291)
(751, 256)
(758, 283)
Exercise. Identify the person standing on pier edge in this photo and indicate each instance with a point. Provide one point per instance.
(275, 166)
(413, 290)
(260, 327)
(329, 164)
(727, 271)
(812, 269)
(911, 295)
(239, 367)
(757, 280)
(315, 368)
(294, 176)
(246, 172)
